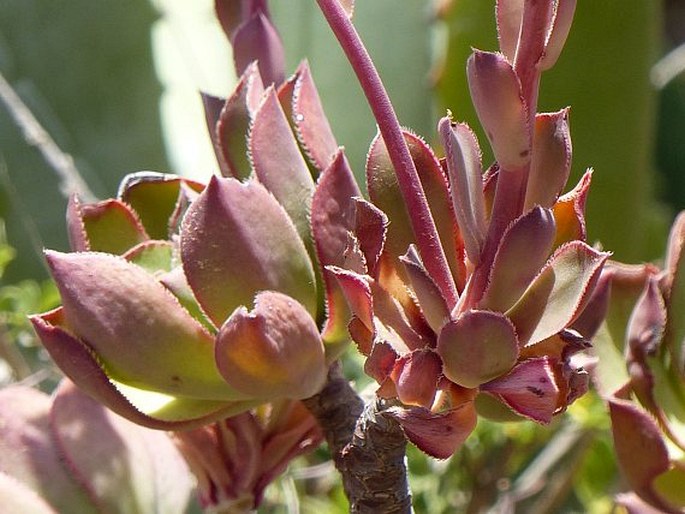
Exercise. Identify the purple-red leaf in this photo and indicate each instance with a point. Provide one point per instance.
(529, 390)
(229, 132)
(477, 347)
(558, 32)
(237, 240)
(311, 124)
(558, 294)
(551, 162)
(497, 97)
(437, 434)
(523, 250)
(332, 218)
(278, 163)
(463, 160)
(257, 40)
(416, 377)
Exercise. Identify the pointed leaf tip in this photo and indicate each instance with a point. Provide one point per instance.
(497, 97)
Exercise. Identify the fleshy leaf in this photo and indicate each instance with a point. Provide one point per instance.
(433, 306)
(154, 197)
(385, 194)
(149, 474)
(463, 159)
(311, 124)
(529, 390)
(278, 163)
(231, 129)
(130, 320)
(237, 240)
(371, 227)
(477, 347)
(437, 434)
(333, 217)
(273, 351)
(509, 16)
(358, 294)
(558, 294)
(28, 453)
(639, 445)
(257, 40)
(556, 38)
(108, 226)
(416, 377)
(144, 408)
(569, 212)
(523, 250)
(551, 162)
(496, 93)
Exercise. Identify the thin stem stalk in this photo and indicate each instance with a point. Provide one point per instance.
(423, 225)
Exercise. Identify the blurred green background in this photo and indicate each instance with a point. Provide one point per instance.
(115, 85)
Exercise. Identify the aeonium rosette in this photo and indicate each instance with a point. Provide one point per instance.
(184, 303)
(482, 322)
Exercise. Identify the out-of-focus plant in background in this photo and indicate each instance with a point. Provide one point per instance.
(88, 79)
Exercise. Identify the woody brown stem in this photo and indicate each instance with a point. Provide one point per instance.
(368, 447)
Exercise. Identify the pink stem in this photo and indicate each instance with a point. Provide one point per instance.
(423, 225)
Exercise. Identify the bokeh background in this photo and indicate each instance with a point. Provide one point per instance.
(115, 84)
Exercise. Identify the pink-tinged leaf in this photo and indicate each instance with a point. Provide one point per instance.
(371, 227)
(257, 40)
(385, 194)
(523, 250)
(129, 320)
(278, 163)
(674, 281)
(497, 97)
(237, 240)
(437, 434)
(529, 390)
(150, 475)
(358, 294)
(381, 361)
(640, 448)
(76, 230)
(231, 14)
(393, 324)
(28, 453)
(595, 312)
(647, 322)
(431, 302)
(416, 377)
(108, 226)
(273, 351)
(551, 162)
(463, 159)
(81, 365)
(361, 335)
(332, 218)
(569, 212)
(477, 347)
(558, 294)
(556, 37)
(311, 125)
(155, 198)
(509, 17)
(212, 106)
(230, 130)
